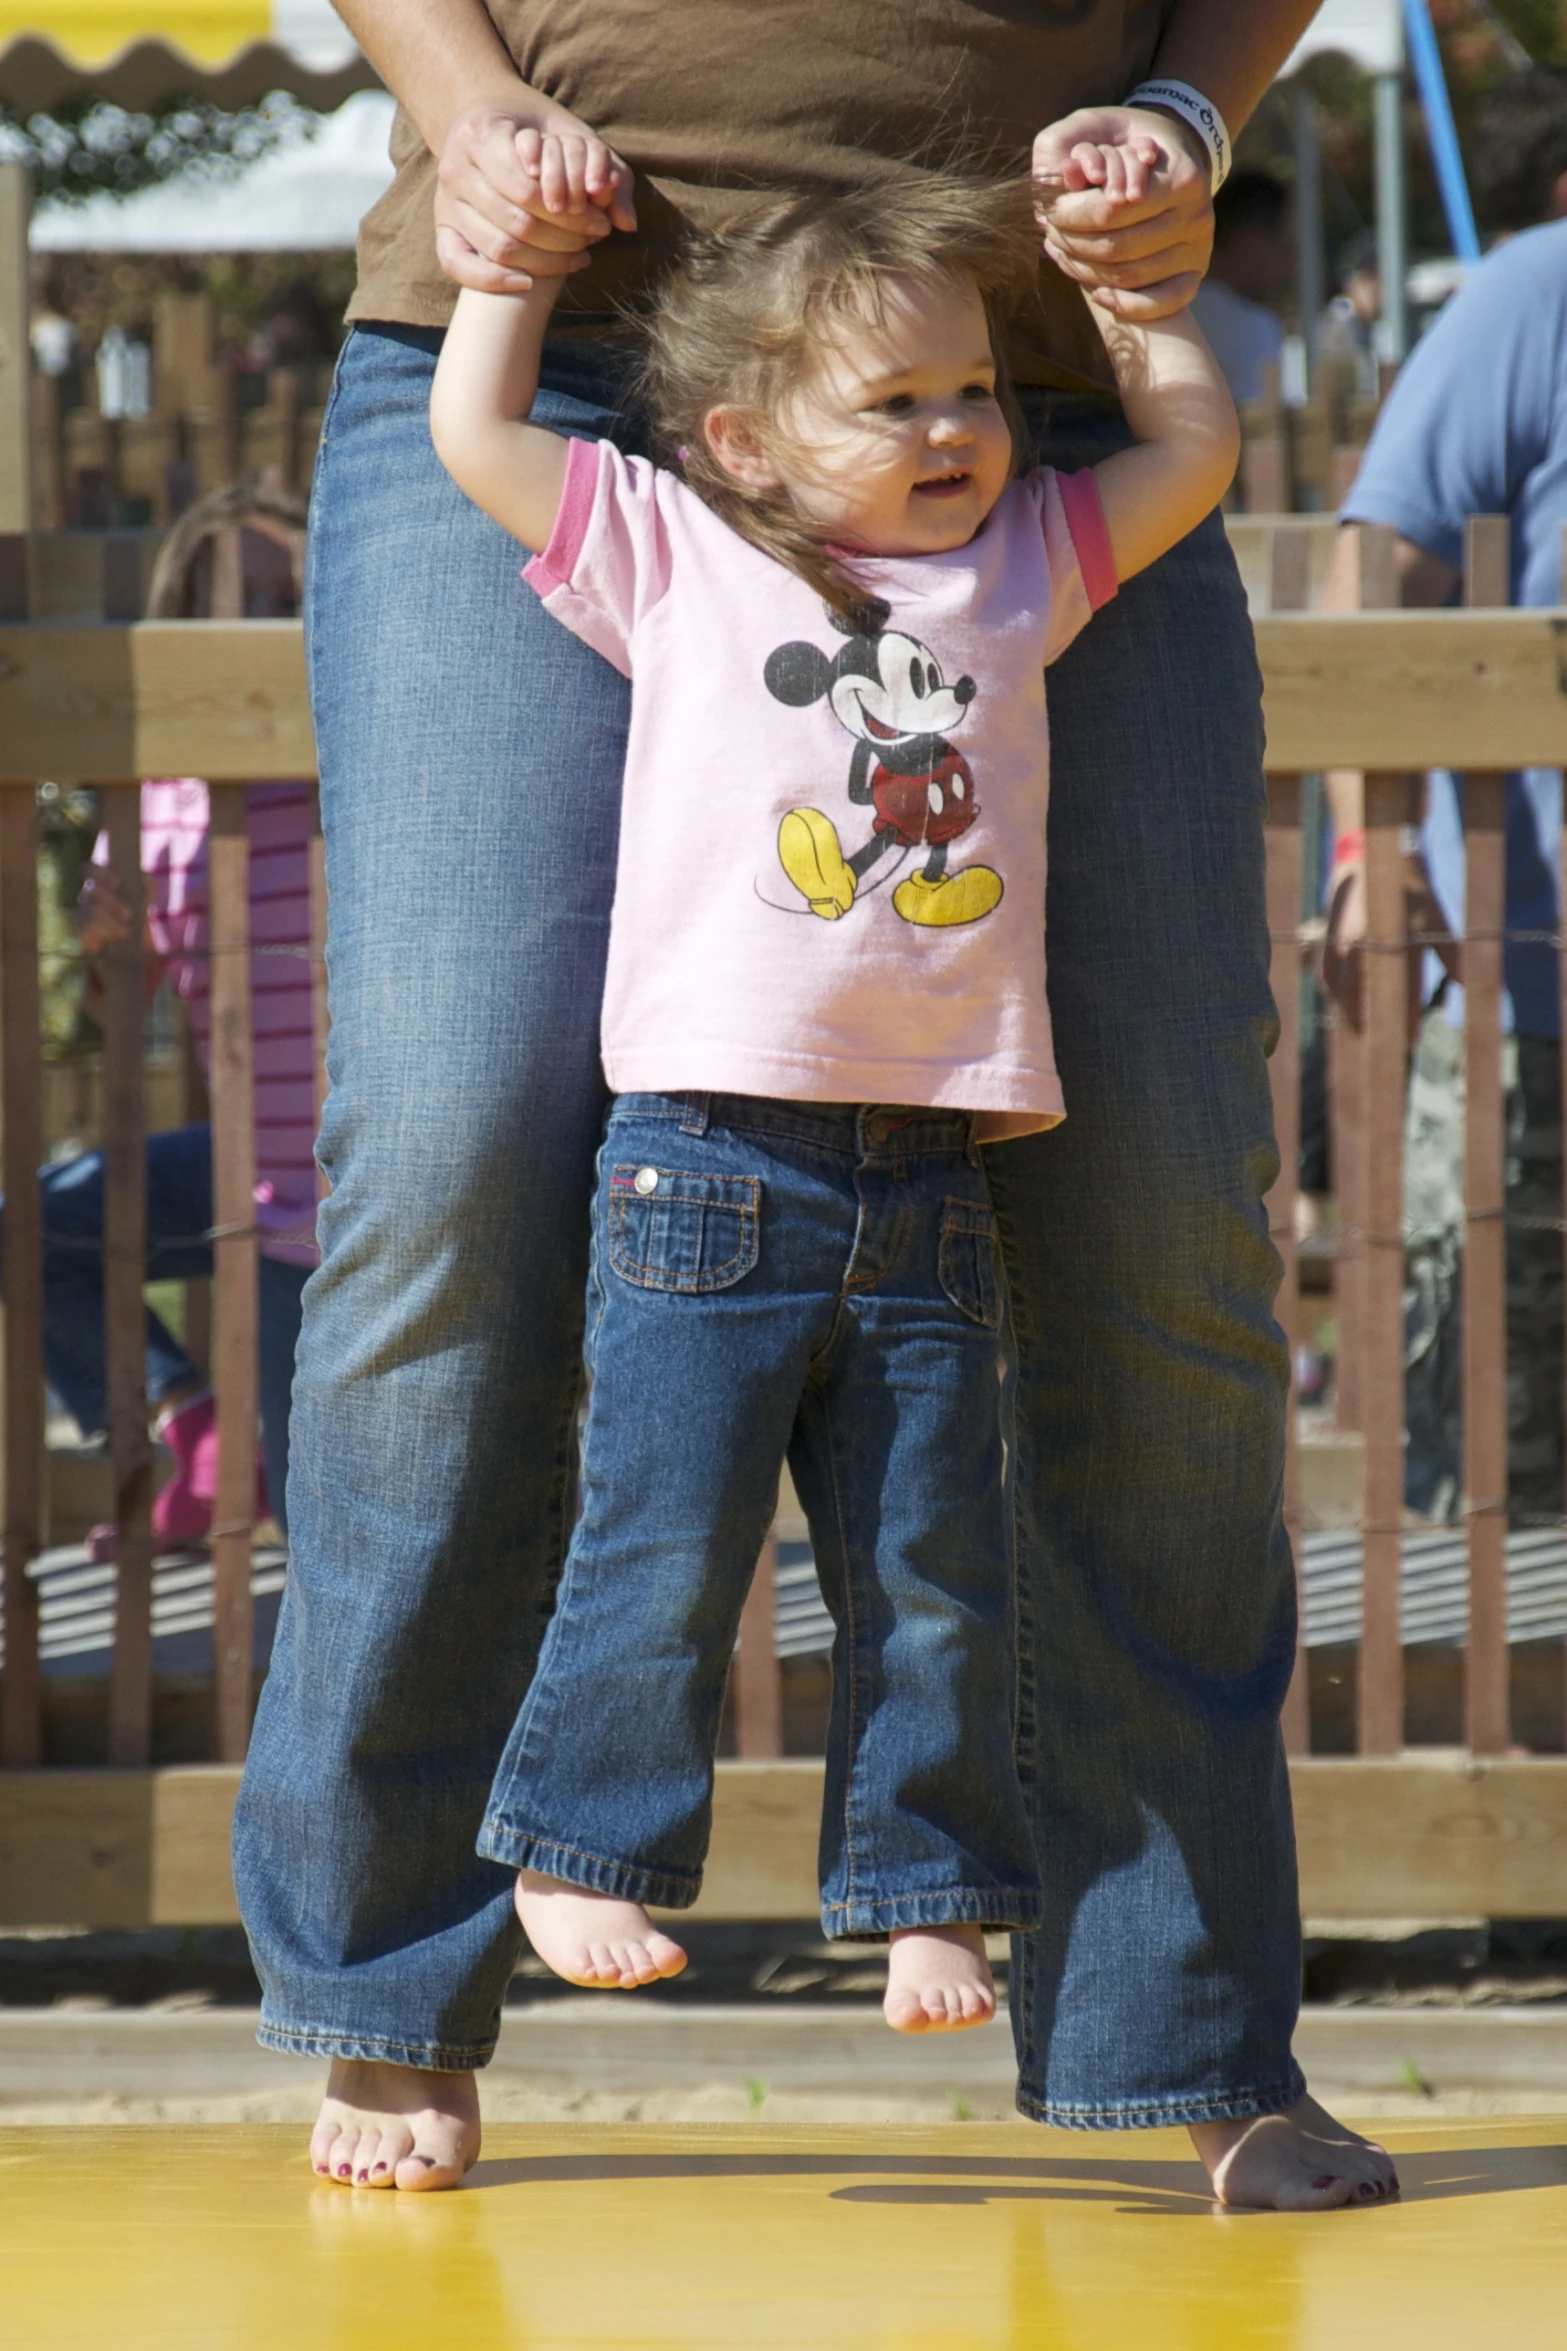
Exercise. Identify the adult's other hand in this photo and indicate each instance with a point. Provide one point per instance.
(493, 225)
(1142, 258)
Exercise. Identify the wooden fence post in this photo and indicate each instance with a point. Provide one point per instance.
(1561, 976)
(125, 1272)
(231, 1081)
(1377, 588)
(21, 1726)
(1289, 591)
(1487, 1703)
(1382, 1058)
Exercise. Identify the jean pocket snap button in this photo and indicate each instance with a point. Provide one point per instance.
(647, 1180)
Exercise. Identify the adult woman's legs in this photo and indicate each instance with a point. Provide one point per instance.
(1157, 1595)
(471, 752)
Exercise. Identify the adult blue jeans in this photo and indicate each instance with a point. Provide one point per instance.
(471, 752)
(179, 1218)
(818, 1280)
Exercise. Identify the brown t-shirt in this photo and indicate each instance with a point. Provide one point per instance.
(713, 101)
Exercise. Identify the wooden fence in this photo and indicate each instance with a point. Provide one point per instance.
(1385, 691)
(212, 421)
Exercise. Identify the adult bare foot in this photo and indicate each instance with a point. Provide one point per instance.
(593, 1939)
(395, 2126)
(938, 1980)
(1298, 2161)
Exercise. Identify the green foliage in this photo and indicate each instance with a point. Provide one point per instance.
(87, 147)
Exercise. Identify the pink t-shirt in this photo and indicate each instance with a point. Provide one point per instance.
(174, 819)
(832, 849)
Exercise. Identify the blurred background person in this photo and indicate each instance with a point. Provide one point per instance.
(1477, 424)
(1251, 271)
(1346, 327)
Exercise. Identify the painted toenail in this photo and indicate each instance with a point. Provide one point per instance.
(1327, 2181)
(380, 2167)
(1366, 2190)
(345, 2171)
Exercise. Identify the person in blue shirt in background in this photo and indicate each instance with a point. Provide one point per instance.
(1477, 424)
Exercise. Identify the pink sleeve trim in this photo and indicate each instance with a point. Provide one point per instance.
(1085, 519)
(553, 568)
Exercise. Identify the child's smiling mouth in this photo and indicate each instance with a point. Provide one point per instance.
(944, 485)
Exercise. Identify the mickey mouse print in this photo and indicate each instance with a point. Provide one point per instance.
(888, 693)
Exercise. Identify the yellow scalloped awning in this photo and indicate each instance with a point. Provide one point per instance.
(142, 53)
(92, 32)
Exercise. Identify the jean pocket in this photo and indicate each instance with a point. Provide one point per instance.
(672, 1231)
(968, 1265)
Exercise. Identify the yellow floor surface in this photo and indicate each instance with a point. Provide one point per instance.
(625, 2239)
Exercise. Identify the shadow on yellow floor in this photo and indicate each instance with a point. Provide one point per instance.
(625, 2239)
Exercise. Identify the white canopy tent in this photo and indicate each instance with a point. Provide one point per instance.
(1371, 34)
(308, 194)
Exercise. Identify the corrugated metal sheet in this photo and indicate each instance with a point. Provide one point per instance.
(76, 1596)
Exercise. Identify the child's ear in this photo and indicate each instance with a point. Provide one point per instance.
(736, 444)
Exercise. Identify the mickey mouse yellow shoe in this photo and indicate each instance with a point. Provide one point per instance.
(951, 899)
(809, 854)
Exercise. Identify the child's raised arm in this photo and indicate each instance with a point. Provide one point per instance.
(488, 370)
(485, 381)
(1179, 406)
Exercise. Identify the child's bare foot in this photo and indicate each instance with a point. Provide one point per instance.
(1298, 2161)
(395, 2126)
(938, 1980)
(593, 1939)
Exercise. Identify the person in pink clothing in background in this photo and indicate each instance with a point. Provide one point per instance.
(174, 820)
(836, 601)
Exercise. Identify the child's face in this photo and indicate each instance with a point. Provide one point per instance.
(895, 442)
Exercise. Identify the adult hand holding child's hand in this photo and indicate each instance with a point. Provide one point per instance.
(1127, 209)
(514, 202)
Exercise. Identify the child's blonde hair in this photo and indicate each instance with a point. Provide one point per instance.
(745, 310)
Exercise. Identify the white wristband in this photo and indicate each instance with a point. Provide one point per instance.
(1206, 120)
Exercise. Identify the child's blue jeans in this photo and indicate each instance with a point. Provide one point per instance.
(821, 1281)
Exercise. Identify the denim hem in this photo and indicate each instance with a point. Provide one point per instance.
(1001, 1909)
(317, 2040)
(1160, 2114)
(628, 1881)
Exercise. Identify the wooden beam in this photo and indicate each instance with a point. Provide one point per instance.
(1414, 689)
(220, 699)
(227, 699)
(1433, 1835)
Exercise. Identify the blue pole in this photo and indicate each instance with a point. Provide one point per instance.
(1426, 59)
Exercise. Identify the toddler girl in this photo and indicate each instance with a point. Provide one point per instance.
(825, 993)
